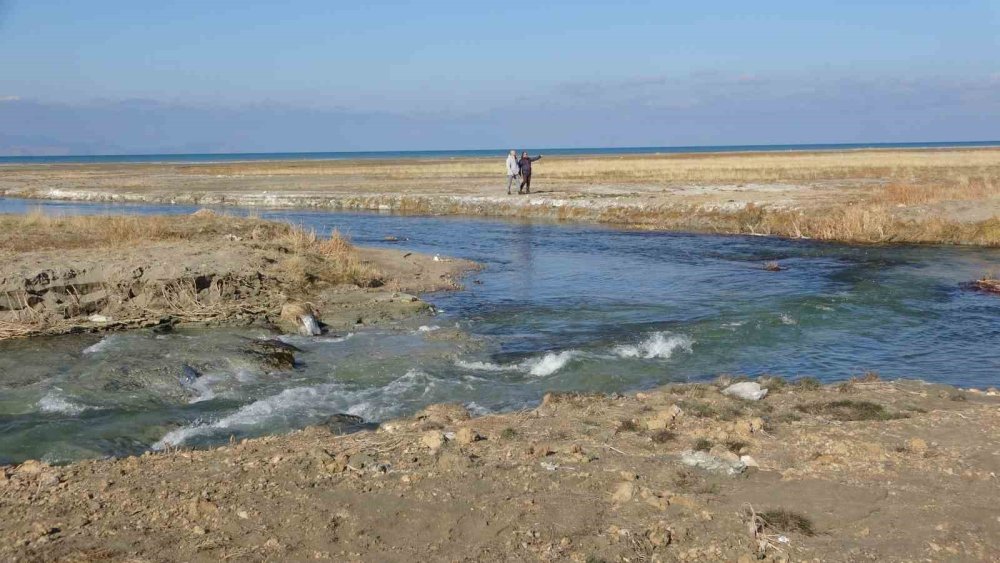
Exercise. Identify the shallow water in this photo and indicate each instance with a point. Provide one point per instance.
(558, 307)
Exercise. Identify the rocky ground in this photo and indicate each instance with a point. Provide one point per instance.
(861, 471)
(62, 275)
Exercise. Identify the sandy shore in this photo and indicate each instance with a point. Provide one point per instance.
(866, 470)
(74, 274)
(947, 196)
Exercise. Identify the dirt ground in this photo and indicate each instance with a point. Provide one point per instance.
(950, 196)
(208, 268)
(864, 471)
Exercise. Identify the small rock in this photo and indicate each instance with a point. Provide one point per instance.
(243, 514)
(664, 418)
(344, 423)
(746, 390)
(467, 436)
(541, 449)
(749, 461)
(302, 316)
(48, 479)
(433, 440)
(623, 492)
(917, 445)
(273, 354)
(444, 414)
(31, 467)
(659, 536)
(724, 454)
(709, 462)
(99, 319)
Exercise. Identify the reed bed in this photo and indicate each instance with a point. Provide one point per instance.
(899, 165)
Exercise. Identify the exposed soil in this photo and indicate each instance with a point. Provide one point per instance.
(206, 269)
(866, 471)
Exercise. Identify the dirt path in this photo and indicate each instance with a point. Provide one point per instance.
(867, 471)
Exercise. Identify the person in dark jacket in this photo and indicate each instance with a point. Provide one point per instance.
(525, 165)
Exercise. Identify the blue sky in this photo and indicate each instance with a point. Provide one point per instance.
(317, 75)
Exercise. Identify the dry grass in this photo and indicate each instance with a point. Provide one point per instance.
(899, 165)
(989, 284)
(866, 196)
(307, 259)
(848, 410)
(339, 260)
(959, 187)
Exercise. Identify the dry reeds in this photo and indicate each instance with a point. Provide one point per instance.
(988, 284)
(898, 165)
(340, 262)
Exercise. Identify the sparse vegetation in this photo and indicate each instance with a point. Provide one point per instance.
(807, 384)
(300, 259)
(773, 383)
(626, 425)
(786, 521)
(508, 433)
(702, 445)
(988, 283)
(699, 408)
(876, 190)
(663, 436)
(848, 410)
(735, 446)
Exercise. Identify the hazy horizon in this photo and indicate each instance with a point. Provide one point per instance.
(112, 77)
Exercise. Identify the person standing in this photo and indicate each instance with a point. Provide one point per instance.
(513, 169)
(525, 165)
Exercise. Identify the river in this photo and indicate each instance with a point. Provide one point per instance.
(557, 307)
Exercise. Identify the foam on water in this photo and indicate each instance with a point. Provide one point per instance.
(310, 404)
(100, 346)
(787, 320)
(549, 363)
(542, 366)
(485, 366)
(55, 402)
(659, 345)
(295, 339)
(426, 328)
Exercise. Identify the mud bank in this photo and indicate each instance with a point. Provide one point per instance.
(89, 274)
(682, 472)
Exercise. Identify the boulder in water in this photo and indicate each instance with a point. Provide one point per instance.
(302, 317)
(746, 390)
(273, 354)
(343, 423)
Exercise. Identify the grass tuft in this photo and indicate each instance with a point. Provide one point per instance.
(786, 521)
(847, 410)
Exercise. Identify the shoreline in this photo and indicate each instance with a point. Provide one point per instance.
(933, 196)
(680, 472)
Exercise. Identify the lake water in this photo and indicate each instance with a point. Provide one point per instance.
(497, 153)
(557, 307)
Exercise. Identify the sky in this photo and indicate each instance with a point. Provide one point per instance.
(116, 76)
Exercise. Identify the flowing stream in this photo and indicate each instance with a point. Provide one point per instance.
(557, 307)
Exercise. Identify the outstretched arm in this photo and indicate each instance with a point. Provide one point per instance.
(536, 158)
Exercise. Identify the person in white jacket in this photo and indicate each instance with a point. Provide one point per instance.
(513, 169)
